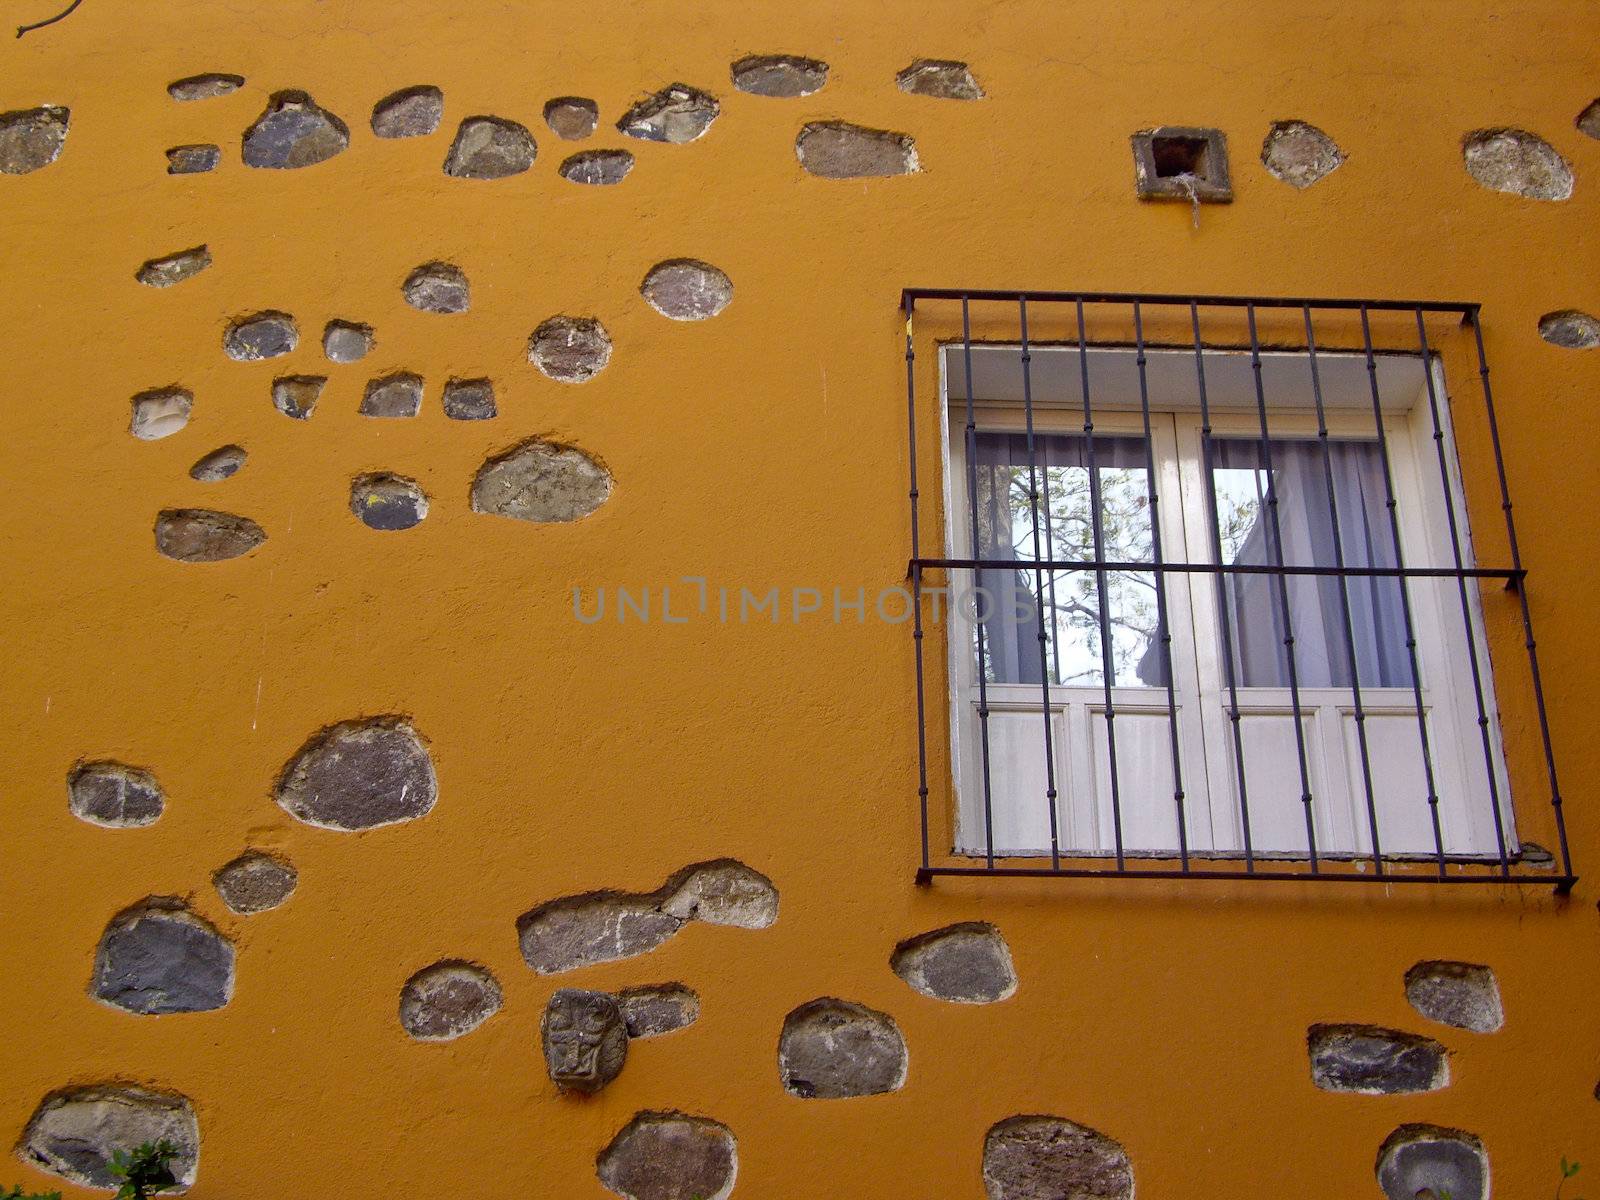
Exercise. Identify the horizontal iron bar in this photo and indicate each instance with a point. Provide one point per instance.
(1443, 306)
(1561, 883)
(1090, 564)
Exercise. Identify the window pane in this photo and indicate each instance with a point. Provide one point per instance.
(1007, 600)
(1242, 491)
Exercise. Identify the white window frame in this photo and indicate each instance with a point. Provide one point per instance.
(1017, 821)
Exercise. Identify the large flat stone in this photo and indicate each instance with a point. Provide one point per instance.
(1051, 1158)
(158, 957)
(670, 1156)
(358, 775)
(968, 963)
(294, 132)
(1430, 1161)
(834, 1049)
(73, 1132)
(114, 795)
(1464, 995)
(541, 481)
(1375, 1061)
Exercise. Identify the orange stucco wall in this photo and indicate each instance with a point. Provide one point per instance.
(765, 447)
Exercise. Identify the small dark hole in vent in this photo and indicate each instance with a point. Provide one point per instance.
(1176, 156)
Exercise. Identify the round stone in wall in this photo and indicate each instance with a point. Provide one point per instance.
(833, 1049)
(675, 114)
(193, 160)
(294, 132)
(255, 882)
(1428, 1160)
(1519, 162)
(410, 112)
(438, 287)
(670, 1156)
(469, 399)
(570, 349)
(839, 150)
(158, 957)
(1570, 329)
(490, 148)
(968, 963)
(359, 774)
(572, 118)
(174, 268)
(296, 396)
(1589, 120)
(269, 334)
(687, 289)
(222, 463)
(204, 87)
(447, 1000)
(785, 76)
(1375, 1061)
(114, 795)
(31, 138)
(397, 395)
(1464, 995)
(1299, 153)
(74, 1132)
(204, 535)
(346, 341)
(160, 413)
(1051, 1158)
(597, 167)
(721, 892)
(388, 502)
(541, 481)
(941, 78)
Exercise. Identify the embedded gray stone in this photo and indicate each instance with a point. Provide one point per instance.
(158, 957)
(359, 774)
(578, 931)
(686, 289)
(296, 395)
(204, 87)
(785, 76)
(193, 160)
(670, 1156)
(968, 963)
(676, 114)
(570, 349)
(839, 150)
(659, 1008)
(114, 795)
(388, 502)
(410, 112)
(447, 1000)
(572, 118)
(222, 463)
(1299, 153)
(74, 1132)
(1456, 993)
(1589, 120)
(255, 882)
(174, 268)
(833, 1049)
(160, 413)
(1429, 1161)
(1051, 1158)
(269, 334)
(585, 1041)
(469, 399)
(1375, 1061)
(31, 138)
(541, 481)
(1518, 162)
(1571, 330)
(398, 395)
(294, 132)
(201, 535)
(941, 78)
(723, 892)
(346, 341)
(490, 148)
(598, 167)
(438, 287)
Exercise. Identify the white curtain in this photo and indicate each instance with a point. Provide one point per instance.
(1255, 610)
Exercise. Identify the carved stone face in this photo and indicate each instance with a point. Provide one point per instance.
(585, 1040)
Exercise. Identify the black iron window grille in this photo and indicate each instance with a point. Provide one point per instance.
(1209, 604)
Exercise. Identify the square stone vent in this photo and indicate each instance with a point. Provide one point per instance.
(1181, 162)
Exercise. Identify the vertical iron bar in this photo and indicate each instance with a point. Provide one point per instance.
(1097, 528)
(1038, 585)
(1461, 587)
(916, 583)
(1276, 541)
(1344, 596)
(1405, 593)
(1161, 587)
(1522, 595)
(983, 661)
(1222, 593)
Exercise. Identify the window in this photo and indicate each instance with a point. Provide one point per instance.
(1212, 605)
